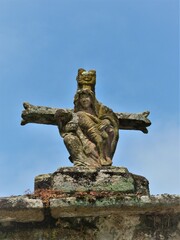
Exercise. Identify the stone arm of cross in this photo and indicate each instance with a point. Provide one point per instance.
(45, 115)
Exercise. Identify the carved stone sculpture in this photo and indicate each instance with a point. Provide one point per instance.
(90, 130)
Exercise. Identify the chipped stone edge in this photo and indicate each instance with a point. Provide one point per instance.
(21, 209)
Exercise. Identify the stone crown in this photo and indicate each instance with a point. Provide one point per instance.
(86, 79)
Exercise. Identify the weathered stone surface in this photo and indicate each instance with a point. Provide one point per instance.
(154, 218)
(20, 209)
(43, 181)
(106, 179)
(45, 115)
(97, 180)
(92, 205)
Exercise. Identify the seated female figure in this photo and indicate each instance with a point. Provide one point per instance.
(91, 134)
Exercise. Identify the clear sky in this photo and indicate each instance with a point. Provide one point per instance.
(132, 44)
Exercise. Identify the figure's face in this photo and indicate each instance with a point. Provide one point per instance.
(85, 101)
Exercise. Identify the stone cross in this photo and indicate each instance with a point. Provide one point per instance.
(90, 130)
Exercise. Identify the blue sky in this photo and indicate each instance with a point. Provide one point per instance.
(132, 44)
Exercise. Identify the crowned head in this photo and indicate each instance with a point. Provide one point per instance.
(86, 79)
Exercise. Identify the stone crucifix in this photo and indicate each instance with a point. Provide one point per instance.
(90, 130)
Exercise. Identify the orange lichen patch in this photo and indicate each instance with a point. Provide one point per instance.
(46, 194)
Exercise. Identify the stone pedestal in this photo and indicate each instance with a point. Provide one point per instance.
(105, 179)
(101, 204)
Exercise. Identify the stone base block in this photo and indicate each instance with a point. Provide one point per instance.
(105, 179)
